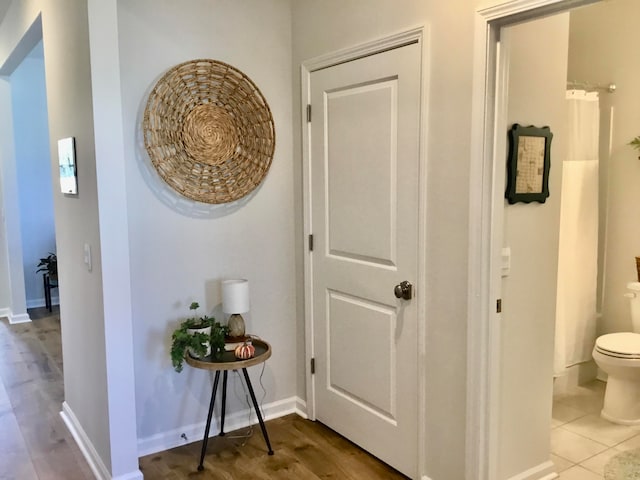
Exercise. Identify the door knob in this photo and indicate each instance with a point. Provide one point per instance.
(403, 290)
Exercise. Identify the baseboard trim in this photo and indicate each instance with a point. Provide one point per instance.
(88, 450)
(21, 318)
(40, 302)
(5, 312)
(137, 475)
(86, 447)
(193, 433)
(301, 408)
(544, 471)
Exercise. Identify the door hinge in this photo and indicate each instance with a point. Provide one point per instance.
(499, 306)
(313, 366)
(311, 243)
(309, 113)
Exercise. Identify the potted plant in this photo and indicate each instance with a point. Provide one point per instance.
(635, 143)
(49, 264)
(199, 336)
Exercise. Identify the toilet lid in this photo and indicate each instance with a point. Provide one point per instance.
(621, 345)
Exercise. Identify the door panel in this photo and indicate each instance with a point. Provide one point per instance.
(364, 217)
(361, 161)
(349, 317)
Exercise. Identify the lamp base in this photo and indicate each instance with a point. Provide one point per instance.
(236, 325)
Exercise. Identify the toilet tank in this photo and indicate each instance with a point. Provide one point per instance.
(634, 299)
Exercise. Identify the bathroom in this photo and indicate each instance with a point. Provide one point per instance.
(599, 235)
(601, 40)
(605, 241)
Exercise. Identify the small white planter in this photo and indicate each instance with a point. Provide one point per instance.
(207, 332)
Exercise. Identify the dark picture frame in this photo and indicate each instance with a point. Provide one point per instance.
(528, 164)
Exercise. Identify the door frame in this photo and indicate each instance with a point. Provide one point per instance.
(415, 35)
(486, 209)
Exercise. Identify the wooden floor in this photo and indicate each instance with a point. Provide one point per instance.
(36, 445)
(304, 450)
(34, 442)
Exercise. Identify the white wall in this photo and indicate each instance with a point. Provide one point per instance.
(12, 300)
(601, 51)
(16, 307)
(537, 53)
(29, 102)
(5, 281)
(89, 399)
(323, 27)
(180, 249)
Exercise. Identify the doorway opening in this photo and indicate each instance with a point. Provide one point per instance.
(504, 347)
(33, 182)
(27, 190)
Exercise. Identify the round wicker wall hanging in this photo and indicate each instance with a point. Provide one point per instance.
(209, 131)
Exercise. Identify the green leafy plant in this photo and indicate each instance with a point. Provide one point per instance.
(218, 333)
(197, 343)
(49, 264)
(635, 143)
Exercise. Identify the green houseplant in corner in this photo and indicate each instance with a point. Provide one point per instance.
(199, 336)
(49, 264)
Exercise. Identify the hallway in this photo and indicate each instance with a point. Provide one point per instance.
(34, 442)
(36, 445)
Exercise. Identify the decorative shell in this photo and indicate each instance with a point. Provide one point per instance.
(245, 351)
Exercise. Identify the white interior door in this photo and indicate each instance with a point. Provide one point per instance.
(364, 210)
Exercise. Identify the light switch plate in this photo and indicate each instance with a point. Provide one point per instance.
(505, 261)
(87, 256)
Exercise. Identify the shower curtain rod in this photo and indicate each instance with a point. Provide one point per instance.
(589, 86)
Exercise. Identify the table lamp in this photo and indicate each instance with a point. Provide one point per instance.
(235, 300)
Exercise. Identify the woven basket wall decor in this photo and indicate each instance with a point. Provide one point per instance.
(209, 131)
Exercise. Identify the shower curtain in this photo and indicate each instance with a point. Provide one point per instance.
(578, 243)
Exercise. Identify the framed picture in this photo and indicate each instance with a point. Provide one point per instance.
(528, 164)
(67, 161)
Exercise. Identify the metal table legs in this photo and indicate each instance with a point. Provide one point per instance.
(47, 290)
(222, 415)
(205, 440)
(257, 409)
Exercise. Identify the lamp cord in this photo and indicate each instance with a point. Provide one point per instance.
(249, 432)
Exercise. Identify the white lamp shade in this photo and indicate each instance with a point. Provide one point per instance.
(235, 296)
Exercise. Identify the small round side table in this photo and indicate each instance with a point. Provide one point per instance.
(227, 362)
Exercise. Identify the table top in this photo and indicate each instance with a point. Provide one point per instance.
(228, 361)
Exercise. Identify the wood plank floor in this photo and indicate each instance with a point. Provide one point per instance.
(304, 450)
(36, 445)
(34, 442)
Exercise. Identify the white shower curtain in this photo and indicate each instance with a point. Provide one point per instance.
(578, 245)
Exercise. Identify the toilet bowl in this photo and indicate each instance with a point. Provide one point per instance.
(618, 354)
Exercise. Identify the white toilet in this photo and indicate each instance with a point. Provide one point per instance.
(618, 354)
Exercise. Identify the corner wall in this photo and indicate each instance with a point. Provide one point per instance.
(89, 407)
(537, 53)
(9, 208)
(180, 250)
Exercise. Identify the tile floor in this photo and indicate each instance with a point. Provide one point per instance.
(581, 442)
